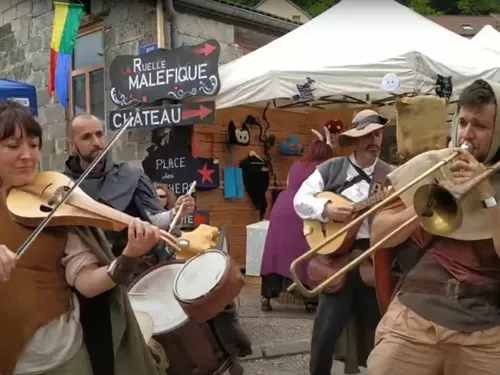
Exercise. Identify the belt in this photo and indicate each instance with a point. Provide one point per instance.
(452, 288)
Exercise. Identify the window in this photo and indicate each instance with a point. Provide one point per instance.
(87, 76)
(296, 18)
(467, 27)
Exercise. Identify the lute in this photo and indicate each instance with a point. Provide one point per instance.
(316, 231)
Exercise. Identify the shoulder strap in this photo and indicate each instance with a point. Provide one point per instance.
(361, 172)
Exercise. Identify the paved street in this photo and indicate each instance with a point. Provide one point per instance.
(281, 338)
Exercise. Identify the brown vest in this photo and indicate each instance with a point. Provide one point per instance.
(37, 292)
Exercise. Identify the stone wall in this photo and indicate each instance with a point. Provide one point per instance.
(25, 38)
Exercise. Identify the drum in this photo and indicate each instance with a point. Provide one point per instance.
(192, 348)
(206, 284)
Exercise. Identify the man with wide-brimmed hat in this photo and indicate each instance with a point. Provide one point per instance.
(354, 178)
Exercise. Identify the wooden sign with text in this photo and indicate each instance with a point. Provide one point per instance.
(178, 74)
(173, 163)
(163, 116)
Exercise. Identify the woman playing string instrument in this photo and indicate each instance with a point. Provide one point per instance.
(43, 291)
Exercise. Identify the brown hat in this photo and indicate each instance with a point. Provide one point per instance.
(363, 123)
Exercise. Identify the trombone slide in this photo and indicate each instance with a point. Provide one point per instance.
(356, 262)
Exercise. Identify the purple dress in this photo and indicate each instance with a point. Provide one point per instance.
(285, 239)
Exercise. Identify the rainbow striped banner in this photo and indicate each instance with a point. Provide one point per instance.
(67, 19)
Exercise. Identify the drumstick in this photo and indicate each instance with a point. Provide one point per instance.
(178, 214)
(169, 240)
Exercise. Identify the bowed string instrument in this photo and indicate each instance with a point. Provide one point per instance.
(54, 200)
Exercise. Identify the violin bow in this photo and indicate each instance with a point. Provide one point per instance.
(22, 249)
(178, 213)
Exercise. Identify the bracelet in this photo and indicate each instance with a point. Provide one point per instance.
(489, 202)
(122, 269)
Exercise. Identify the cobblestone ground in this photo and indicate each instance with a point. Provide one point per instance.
(281, 338)
(288, 365)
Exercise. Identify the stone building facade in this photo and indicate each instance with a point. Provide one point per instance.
(120, 28)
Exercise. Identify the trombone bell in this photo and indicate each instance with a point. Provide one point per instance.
(438, 209)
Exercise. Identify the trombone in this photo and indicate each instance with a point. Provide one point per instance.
(444, 218)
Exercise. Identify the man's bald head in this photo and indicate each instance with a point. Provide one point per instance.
(81, 121)
(87, 138)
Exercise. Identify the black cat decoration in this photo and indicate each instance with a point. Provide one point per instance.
(238, 136)
(444, 87)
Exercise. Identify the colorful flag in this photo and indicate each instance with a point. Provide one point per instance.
(67, 19)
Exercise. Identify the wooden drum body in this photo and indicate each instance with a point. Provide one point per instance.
(192, 348)
(206, 284)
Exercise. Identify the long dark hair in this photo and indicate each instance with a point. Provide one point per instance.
(317, 152)
(15, 116)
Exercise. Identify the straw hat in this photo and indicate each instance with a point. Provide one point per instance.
(364, 123)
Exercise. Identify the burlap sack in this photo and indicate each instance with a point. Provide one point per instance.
(421, 125)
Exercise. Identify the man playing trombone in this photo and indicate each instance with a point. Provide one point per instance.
(444, 318)
(352, 177)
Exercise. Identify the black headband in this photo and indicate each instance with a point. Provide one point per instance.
(373, 119)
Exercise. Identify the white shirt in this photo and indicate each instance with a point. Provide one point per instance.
(308, 206)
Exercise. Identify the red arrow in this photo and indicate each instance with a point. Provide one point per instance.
(201, 112)
(198, 219)
(206, 50)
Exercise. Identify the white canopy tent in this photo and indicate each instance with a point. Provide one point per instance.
(346, 52)
(488, 37)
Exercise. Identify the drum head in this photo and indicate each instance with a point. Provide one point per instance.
(145, 324)
(200, 275)
(153, 294)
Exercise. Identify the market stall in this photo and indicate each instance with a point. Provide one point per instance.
(20, 92)
(356, 51)
(488, 37)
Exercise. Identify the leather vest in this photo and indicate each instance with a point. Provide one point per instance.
(37, 292)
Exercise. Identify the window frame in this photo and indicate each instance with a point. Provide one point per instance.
(84, 30)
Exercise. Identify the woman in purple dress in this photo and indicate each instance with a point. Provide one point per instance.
(285, 240)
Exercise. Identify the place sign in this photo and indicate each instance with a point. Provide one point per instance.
(173, 163)
(177, 74)
(163, 116)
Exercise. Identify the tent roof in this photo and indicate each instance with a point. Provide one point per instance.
(488, 37)
(19, 91)
(8, 84)
(348, 49)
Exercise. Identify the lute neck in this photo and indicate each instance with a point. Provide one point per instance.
(86, 203)
(370, 201)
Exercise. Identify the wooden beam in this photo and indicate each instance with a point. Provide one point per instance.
(160, 24)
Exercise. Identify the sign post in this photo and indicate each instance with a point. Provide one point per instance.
(157, 82)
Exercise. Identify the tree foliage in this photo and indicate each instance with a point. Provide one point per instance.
(422, 6)
(425, 7)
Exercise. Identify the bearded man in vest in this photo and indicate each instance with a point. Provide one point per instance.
(355, 178)
(40, 328)
(442, 296)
